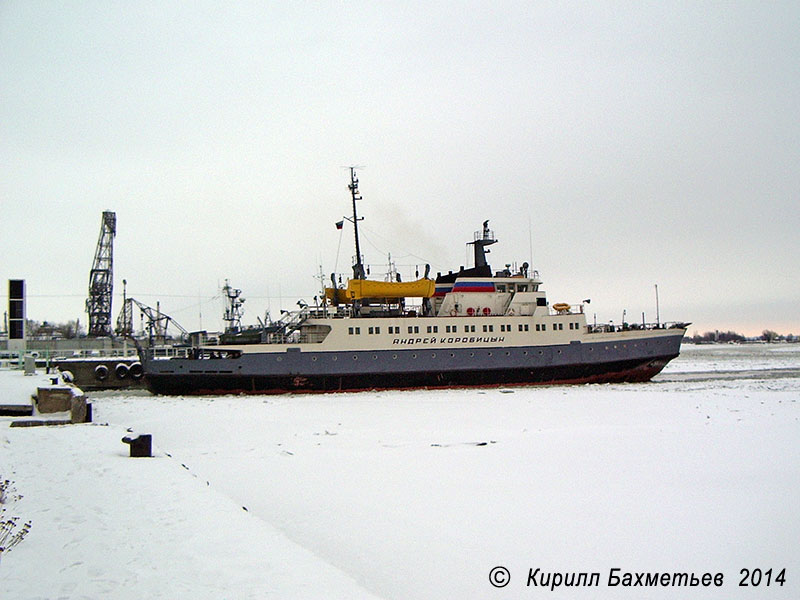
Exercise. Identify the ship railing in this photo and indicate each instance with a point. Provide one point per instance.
(562, 308)
(165, 352)
(615, 328)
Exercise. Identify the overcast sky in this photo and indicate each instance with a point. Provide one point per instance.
(616, 145)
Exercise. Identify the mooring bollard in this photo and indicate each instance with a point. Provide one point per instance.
(141, 446)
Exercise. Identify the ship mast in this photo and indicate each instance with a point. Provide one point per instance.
(358, 267)
(233, 308)
(482, 239)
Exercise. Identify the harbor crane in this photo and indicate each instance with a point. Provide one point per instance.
(101, 278)
(156, 323)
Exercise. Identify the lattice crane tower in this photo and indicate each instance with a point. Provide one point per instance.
(101, 278)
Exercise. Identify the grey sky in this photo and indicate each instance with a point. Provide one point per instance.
(627, 144)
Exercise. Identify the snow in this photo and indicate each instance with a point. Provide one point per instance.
(16, 388)
(419, 494)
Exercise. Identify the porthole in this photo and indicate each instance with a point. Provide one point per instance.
(394, 356)
(374, 357)
(433, 354)
(279, 359)
(355, 357)
(488, 353)
(313, 358)
(335, 358)
(452, 355)
(413, 356)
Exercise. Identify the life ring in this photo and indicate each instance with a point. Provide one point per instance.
(121, 371)
(470, 312)
(561, 307)
(101, 372)
(453, 313)
(486, 311)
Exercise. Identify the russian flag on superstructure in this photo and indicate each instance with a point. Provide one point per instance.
(473, 286)
(442, 289)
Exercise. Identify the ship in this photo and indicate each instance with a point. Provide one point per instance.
(469, 327)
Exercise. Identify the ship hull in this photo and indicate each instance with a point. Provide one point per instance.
(418, 367)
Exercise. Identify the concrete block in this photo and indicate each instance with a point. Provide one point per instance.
(78, 410)
(30, 365)
(54, 399)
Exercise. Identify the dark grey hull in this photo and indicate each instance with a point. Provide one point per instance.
(414, 367)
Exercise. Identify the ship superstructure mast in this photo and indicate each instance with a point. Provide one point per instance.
(358, 268)
(482, 239)
(101, 279)
(233, 308)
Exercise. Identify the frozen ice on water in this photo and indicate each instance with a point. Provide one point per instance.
(421, 493)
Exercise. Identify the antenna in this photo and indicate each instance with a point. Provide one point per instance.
(530, 240)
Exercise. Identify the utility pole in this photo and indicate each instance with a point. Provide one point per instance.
(658, 313)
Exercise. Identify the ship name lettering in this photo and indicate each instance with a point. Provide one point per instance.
(412, 341)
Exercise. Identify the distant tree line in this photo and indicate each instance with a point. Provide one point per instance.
(767, 335)
(49, 331)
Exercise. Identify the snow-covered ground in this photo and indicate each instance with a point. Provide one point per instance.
(416, 495)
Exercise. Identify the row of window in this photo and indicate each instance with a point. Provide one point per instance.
(466, 328)
(558, 326)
